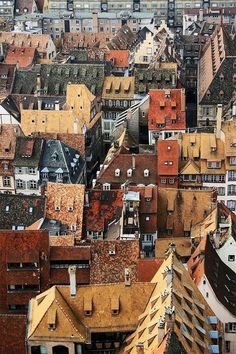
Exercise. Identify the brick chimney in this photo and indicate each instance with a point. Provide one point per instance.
(72, 274)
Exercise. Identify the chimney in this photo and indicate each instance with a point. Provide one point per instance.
(140, 348)
(218, 120)
(57, 106)
(234, 109)
(72, 274)
(95, 22)
(173, 82)
(133, 161)
(200, 15)
(216, 237)
(39, 104)
(127, 277)
(38, 83)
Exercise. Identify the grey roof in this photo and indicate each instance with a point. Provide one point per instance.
(20, 210)
(60, 158)
(55, 77)
(146, 79)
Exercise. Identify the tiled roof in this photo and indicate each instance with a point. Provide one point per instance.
(179, 210)
(55, 78)
(167, 107)
(12, 334)
(28, 152)
(158, 78)
(124, 162)
(109, 259)
(119, 58)
(86, 40)
(7, 73)
(65, 203)
(20, 39)
(174, 295)
(117, 87)
(75, 141)
(8, 135)
(24, 57)
(20, 210)
(131, 299)
(57, 155)
(123, 40)
(183, 246)
(104, 207)
(147, 268)
(167, 157)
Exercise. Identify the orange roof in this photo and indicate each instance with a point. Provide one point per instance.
(120, 58)
(167, 157)
(23, 56)
(167, 107)
(147, 268)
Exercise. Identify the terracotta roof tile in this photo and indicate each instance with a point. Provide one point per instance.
(120, 58)
(24, 57)
(167, 157)
(147, 268)
(167, 107)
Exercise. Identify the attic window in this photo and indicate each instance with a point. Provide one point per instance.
(129, 173)
(7, 209)
(115, 305)
(221, 77)
(221, 93)
(70, 208)
(117, 172)
(146, 173)
(208, 94)
(88, 305)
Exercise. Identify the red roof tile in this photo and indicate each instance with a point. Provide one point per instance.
(12, 334)
(120, 58)
(167, 157)
(23, 56)
(104, 207)
(147, 268)
(167, 107)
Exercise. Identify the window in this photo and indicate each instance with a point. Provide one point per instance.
(230, 327)
(19, 184)
(146, 173)
(163, 180)
(32, 184)
(232, 176)
(32, 171)
(117, 172)
(5, 166)
(106, 186)
(171, 181)
(231, 204)
(147, 218)
(232, 189)
(129, 173)
(232, 161)
(221, 190)
(6, 181)
(213, 164)
(227, 346)
(231, 257)
(207, 294)
(7, 209)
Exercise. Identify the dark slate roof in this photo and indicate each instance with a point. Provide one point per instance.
(146, 79)
(31, 101)
(143, 33)
(217, 85)
(28, 152)
(218, 274)
(57, 155)
(9, 105)
(55, 77)
(15, 210)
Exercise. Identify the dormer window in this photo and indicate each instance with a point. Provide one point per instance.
(129, 173)
(146, 173)
(70, 208)
(221, 77)
(221, 93)
(208, 94)
(73, 227)
(7, 209)
(117, 172)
